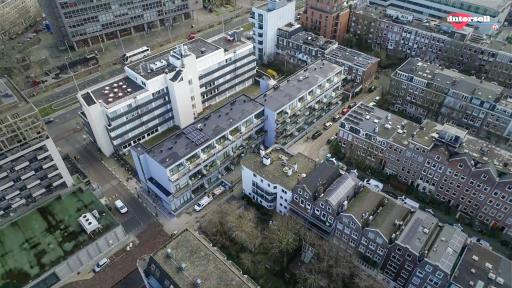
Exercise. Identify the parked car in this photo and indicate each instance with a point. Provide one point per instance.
(345, 110)
(374, 183)
(331, 139)
(203, 202)
(48, 120)
(217, 191)
(317, 134)
(430, 211)
(372, 88)
(101, 265)
(120, 206)
(352, 105)
(336, 117)
(191, 36)
(327, 125)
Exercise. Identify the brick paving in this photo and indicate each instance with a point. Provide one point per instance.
(123, 262)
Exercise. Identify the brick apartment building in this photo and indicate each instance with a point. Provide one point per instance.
(326, 18)
(470, 174)
(423, 90)
(399, 33)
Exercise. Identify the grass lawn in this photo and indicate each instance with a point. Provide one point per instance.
(48, 110)
(45, 237)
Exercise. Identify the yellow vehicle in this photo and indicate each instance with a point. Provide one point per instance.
(272, 73)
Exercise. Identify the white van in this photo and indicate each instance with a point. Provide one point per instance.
(202, 203)
(101, 265)
(120, 207)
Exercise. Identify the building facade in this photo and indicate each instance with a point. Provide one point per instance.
(299, 101)
(149, 97)
(496, 10)
(17, 16)
(269, 177)
(186, 164)
(326, 18)
(468, 173)
(85, 23)
(433, 42)
(300, 48)
(31, 167)
(423, 90)
(266, 19)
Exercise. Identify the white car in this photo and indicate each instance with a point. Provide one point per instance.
(101, 265)
(217, 191)
(202, 203)
(327, 125)
(120, 206)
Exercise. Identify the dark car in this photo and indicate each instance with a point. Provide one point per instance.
(336, 117)
(317, 134)
(352, 105)
(372, 88)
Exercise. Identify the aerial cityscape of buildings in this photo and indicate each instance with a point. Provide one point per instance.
(380, 129)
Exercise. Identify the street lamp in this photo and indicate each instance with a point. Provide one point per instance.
(72, 75)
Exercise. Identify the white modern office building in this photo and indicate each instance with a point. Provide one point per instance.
(266, 19)
(298, 102)
(268, 177)
(31, 167)
(168, 89)
(496, 9)
(192, 161)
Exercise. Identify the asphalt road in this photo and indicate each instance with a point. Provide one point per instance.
(68, 136)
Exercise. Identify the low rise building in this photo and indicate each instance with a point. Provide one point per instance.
(319, 197)
(468, 173)
(187, 163)
(299, 101)
(298, 47)
(434, 41)
(31, 168)
(269, 177)
(168, 89)
(359, 67)
(266, 19)
(482, 267)
(189, 260)
(370, 224)
(423, 90)
(329, 19)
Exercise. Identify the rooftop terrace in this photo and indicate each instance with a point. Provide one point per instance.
(202, 262)
(313, 40)
(230, 41)
(401, 131)
(114, 91)
(418, 231)
(447, 247)
(299, 83)
(280, 159)
(476, 265)
(47, 236)
(453, 80)
(184, 142)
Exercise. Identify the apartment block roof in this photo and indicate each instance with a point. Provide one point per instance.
(312, 40)
(446, 248)
(452, 80)
(181, 144)
(200, 261)
(199, 47)
(481, 267)
(342, 54)
(298, 84)
(401, 131)
(113, 92)
(420, 229)
(280, 161)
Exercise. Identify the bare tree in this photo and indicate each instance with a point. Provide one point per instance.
(282, 237)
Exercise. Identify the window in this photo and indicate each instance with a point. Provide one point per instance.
(484, 176)
(317, 211)
(324, 216)
(380, 251)
(308, 205)
(302, 202)
(364, 241)
(460, 166)
(330, 219)
(296, 197)
(428, 268)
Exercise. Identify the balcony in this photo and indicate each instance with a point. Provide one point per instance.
(208, 150)
(178, 171)
(193, 161)
(234, 133)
